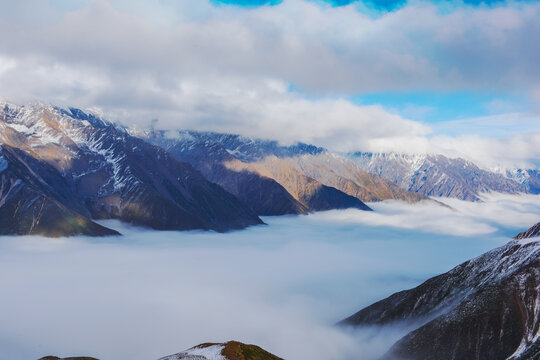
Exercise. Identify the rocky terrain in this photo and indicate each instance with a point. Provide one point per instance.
(532, 232)
(485, 308)
(95, 169)
(437, 175)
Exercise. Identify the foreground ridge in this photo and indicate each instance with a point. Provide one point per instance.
(232, 350)
(487, 308)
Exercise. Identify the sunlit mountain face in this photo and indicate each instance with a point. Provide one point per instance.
(269, 179)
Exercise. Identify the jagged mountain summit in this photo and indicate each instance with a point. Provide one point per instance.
(530, 178)
(534, 231)
(437, 175)
(279, 179)
(484, 309)
(112, 174)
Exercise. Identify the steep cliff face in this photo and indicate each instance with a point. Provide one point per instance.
(436, 175)
(485, 308)
(120, 176)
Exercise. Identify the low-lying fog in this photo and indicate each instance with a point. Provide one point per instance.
(282, 286)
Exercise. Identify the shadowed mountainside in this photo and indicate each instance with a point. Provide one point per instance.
(36, 200)
(483, 309)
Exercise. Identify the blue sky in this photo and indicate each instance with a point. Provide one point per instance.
(430, 106)
(378, 4)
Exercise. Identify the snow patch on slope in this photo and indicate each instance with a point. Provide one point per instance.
(212, 352)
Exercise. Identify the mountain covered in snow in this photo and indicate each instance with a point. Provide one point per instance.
(274, 179)
(530, 178)
(440, 176)
(487, 308)
(73, 166)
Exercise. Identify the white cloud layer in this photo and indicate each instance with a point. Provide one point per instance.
(227, 69)
(281, 286)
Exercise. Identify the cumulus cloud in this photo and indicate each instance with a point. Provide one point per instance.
(262, 72)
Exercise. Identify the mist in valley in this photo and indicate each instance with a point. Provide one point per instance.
(282, 286)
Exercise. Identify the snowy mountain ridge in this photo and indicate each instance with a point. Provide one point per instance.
(438, 175)
(112, 174)
(485, 308)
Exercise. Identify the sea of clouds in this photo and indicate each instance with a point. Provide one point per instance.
(282, 286)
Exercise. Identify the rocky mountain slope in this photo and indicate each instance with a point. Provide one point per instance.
(437, 175)
(116, 175)
(309, 192)
(532, 232)
(485, 308)
(35, 199)
(231, 350)
(263, 195)
(290, 174)
(341, 173)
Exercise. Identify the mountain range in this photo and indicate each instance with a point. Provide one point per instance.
(275, 180)
(63, 169)
(440, 176)
(73, 167)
